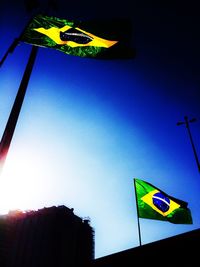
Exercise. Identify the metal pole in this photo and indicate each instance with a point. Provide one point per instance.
(187, 122)
(139, 232)
(192, 143)
(14, 114)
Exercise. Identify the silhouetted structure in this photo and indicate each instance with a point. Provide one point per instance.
(52, 236)
(56, 237)
(180, 250)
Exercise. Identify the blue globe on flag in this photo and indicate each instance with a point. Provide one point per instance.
(161, 201)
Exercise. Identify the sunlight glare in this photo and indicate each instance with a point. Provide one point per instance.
(21, 181)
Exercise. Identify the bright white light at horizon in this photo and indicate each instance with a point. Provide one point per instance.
(22, 183)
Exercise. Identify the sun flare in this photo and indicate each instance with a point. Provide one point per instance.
(21, 181)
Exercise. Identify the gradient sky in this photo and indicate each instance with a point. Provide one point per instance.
(88, 127)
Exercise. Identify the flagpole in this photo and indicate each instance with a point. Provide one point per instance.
(138, 221)
(14, 114)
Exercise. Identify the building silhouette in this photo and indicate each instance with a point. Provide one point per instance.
(180, 250)
(52, 236)
(56, 237)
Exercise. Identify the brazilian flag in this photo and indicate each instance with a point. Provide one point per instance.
(72, 37)
(153, 203)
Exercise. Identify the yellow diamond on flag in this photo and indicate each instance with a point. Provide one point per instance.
(148, 199)
(54, 34)
(92, 39)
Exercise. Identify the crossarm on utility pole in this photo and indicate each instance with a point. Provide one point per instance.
(187, 124)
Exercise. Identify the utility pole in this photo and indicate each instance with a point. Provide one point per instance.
(187, 124)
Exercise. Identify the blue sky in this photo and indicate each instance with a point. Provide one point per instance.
(88, 127)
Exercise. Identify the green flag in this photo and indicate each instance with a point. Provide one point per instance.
(70, 37)
(153, 203)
